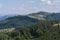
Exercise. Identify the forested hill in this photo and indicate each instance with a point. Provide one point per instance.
(55, 16)
(45, 16)
(17, 21)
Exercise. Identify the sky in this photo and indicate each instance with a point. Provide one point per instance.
(23, 7)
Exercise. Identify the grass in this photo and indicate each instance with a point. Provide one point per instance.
(56, 24)
(7, 30)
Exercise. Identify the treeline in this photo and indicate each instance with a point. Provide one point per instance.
(43, 30)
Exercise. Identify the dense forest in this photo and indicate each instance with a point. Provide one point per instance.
(44, 30)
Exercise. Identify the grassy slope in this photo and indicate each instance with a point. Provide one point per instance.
(7, 30)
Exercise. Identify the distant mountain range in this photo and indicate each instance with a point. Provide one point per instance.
(39, 15)
(14, 21)
(3, 17)
(7, 16)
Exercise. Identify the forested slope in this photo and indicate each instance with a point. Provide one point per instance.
(17, 21)
(44, 30)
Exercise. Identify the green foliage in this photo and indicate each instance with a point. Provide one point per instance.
(43, 30)
(3, 36)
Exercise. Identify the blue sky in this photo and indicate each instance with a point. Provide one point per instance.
(24, 7)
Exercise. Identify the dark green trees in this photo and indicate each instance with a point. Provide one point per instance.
(44, 30)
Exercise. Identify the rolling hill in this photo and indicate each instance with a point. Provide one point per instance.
(39, 15)
(31, 27)
(45, 16)
(17, 21)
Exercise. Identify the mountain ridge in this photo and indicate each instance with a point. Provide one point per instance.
(45, 16)
(20, 21)
(17, 21)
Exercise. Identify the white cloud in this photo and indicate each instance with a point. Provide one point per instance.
(47, 1)
(43, 0)
(35, 8)
(21, 8)
(11, 10)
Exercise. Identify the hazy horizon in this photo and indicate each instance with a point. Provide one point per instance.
(23, 7)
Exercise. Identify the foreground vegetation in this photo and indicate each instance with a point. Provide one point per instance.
(44, 30)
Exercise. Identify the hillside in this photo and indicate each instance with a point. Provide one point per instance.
(17, 21)
(36, 26)
(55, 16)
(43, 30)
(45, 16)
(39, 15)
